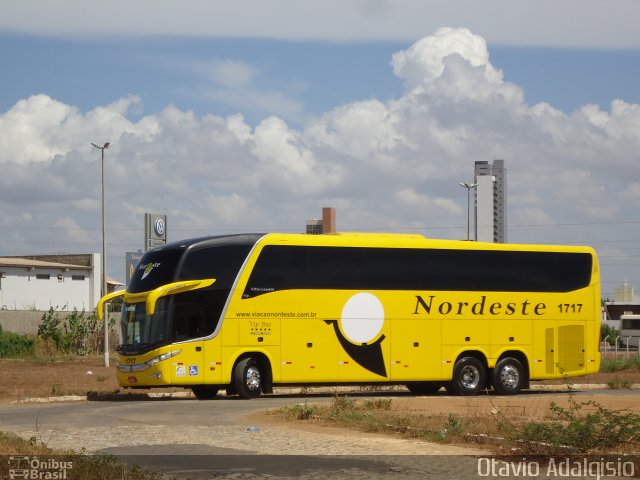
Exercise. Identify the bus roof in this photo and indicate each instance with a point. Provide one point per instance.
(404, 240)
(362, 239)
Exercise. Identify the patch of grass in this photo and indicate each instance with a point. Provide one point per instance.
(82, 466)
(11, 444)
(620, 364)
(14, 345)
(616, 383)
(579, 428)
(584, 427)
(378, 415)
(302, 411)
(378, 404)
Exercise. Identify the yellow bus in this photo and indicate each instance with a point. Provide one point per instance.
(250, 311)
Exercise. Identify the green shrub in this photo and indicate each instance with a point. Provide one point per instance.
(619, 383)
(580, 431)
(14, 345)
(49, 329)
(79, 334)
(608, 330)
(302, 411)
(619, 364)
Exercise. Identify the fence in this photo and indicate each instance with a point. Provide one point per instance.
(614, 350)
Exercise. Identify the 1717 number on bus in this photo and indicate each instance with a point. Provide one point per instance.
(570, 307)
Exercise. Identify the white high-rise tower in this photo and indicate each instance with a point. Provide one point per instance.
(491, 201)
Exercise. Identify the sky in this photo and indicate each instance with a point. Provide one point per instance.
(253, 115)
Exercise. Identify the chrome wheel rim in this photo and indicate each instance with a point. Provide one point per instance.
(253, 378)
(470, 377)
(509, 376)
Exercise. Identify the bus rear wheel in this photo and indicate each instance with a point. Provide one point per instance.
(508, 376)
(469, 377)
(205, 392)
(247, 378)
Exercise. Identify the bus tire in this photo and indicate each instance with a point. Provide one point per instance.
(508, 376)
(205, 392)
(424, 388)
(247, 378)
(469, 377)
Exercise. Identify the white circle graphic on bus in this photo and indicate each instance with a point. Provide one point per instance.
(362, 318)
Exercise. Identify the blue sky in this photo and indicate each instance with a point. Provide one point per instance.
(253, 115)
(318, 75)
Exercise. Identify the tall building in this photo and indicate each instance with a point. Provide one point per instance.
(491, 201)
(314, 227)
(326, 225)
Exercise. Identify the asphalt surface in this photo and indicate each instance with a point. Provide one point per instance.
(176, 437)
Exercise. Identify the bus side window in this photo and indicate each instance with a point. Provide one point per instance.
(196, 314)
(195, 325)
(188, 321)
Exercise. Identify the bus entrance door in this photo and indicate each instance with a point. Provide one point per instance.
(189, 327)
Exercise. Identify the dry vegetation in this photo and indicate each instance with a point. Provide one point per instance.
(83, 467)
(563, 424)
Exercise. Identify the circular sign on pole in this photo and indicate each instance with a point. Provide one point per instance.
(158, 226)
(155, 230)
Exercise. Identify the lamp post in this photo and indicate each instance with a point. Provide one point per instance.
(102, 148)
(469, 187)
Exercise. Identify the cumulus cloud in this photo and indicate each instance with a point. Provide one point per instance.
(386, 165)
(424, 61)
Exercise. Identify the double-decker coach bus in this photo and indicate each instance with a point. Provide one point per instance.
(247, 312)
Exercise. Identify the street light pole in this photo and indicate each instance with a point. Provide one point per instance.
(102, 148)
(469, 187)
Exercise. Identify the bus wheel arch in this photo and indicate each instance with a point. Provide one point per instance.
(511, 373)
(469, 374)
(251, 375)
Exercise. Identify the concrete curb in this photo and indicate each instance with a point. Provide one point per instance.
(559, 388)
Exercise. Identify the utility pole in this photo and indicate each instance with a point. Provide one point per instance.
(102, 148)
(469, 187)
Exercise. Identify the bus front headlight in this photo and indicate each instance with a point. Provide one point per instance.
(161, 358)
(149, 363)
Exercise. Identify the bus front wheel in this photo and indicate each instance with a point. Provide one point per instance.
(508, 376)
(469, 377)
(247, 378)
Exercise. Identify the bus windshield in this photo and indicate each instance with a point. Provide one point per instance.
(141, 332)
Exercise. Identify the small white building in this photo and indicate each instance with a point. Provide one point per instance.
(40, 283)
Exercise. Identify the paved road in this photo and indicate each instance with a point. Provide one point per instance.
(200, 439)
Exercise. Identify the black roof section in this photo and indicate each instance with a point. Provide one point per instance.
(212, 241)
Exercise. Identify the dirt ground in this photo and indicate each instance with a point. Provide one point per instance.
(20, 379)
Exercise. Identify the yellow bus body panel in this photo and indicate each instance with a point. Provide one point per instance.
(306, 340)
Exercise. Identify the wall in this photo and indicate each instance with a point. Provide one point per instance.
(23, 322)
